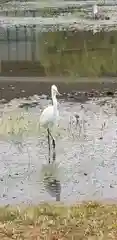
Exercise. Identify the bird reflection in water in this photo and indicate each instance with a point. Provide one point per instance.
(51, 178)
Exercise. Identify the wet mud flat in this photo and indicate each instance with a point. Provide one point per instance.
(75, 88)
(86, 141)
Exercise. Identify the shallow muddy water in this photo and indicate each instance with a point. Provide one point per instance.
(85, 167)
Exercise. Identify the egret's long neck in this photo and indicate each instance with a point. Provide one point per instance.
(54, 100)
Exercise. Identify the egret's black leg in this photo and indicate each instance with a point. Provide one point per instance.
(53, 140)
(53, 143)
(49, 143)
(54, 156)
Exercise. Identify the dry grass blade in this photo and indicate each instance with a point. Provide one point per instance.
(86, 221)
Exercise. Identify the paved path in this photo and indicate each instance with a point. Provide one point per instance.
(60, 79)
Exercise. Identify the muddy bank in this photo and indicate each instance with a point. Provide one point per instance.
(79, 89)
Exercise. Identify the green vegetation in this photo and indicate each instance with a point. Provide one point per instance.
(79, 53)
(50, 12)
(90, 221)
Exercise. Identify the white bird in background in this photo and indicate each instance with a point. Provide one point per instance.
(50, 116)
(95, 10)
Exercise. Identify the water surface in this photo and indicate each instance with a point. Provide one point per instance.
(86, 157)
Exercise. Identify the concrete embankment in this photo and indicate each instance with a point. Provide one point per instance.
(62, 39)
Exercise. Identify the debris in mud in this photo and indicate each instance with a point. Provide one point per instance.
(85, 96)
(111, 186)
(12, 87)
(93, 93)
(3, 101)
(28, 105)
(77, 118)
(4, 195)
(107, 18)
(78, 96)
(103, 102)
(109, 93)
(16, 174)
(85, 174)
(43, 96)
(101, 138)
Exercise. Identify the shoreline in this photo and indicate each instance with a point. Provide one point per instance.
(59, 79)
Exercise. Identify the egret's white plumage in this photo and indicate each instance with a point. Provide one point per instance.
(95, 9)
(48, 117)
(50, 114)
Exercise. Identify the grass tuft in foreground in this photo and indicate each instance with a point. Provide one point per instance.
(90, 221)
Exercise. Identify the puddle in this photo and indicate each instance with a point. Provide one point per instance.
(85, 167)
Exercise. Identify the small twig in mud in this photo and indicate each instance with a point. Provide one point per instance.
(106, 112)
(83, 121)
(70, 126)
(17, 139)
(76, 123)
(102, 129)
(103, 125)
(77, 119)
(29, 164)
(115, 111)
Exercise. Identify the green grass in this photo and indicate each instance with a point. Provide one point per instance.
(90, 221)
(79, 54)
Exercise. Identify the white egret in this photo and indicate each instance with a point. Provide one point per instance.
(95, 11)
(50, 116)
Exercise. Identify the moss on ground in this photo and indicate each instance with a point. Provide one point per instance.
(90, 221)
(79, 53)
